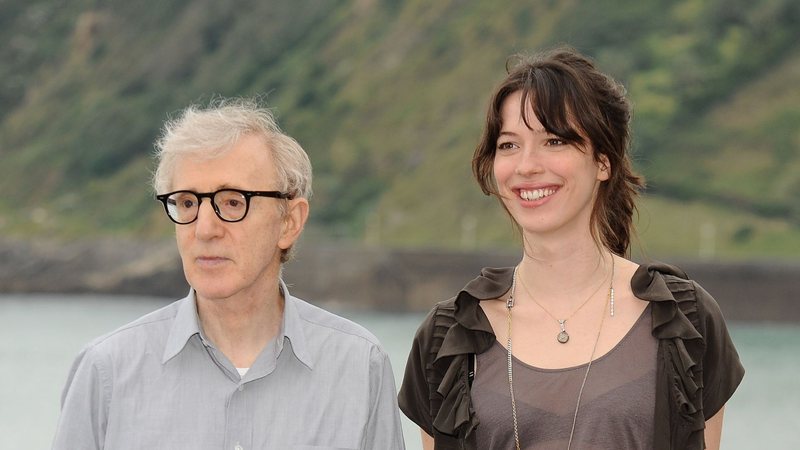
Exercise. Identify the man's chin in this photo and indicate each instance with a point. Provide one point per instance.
(211, 290)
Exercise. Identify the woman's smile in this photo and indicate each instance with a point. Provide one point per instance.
(535, 194)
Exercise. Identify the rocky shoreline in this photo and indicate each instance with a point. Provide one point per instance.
(348, 276)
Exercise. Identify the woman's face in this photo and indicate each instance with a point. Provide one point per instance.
(547, 185)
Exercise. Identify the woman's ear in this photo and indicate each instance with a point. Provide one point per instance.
(603, 168)
(293, 222)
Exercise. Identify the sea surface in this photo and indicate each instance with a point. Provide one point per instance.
(40, 335)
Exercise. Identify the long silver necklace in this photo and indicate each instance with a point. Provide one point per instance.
(563, 337)
(509, 306)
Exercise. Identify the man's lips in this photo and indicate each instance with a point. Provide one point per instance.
(210, 261)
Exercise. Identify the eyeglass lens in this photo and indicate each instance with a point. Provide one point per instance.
(229, 205)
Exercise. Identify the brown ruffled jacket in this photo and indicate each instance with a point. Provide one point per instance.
(698, 367)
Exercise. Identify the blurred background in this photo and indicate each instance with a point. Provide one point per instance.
(388, 99)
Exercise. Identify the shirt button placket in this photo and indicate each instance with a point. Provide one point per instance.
(237, 426)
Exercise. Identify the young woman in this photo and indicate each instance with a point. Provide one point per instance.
(576, 346)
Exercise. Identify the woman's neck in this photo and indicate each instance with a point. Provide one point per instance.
(564, 272)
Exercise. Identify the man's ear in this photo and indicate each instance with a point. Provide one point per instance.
(293, 222)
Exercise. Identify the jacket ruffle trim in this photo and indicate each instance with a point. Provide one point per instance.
(468, 333)
(676, 324)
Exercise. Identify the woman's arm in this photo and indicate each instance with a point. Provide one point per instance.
(713, 431)
(427, 440)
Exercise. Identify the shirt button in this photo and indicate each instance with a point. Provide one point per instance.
(238, 447)
(240, 389)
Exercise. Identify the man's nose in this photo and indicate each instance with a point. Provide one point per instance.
(208, 224)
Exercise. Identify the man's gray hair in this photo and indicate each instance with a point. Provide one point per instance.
(210, 132)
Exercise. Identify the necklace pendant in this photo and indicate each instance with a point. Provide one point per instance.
(563, 336)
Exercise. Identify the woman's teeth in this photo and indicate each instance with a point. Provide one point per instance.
(536, 194)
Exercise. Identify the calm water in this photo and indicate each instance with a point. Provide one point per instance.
(39, 336)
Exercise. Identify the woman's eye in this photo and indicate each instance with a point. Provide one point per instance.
(506, 146)
(556, 142)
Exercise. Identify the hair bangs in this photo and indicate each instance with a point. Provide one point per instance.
(544, 92)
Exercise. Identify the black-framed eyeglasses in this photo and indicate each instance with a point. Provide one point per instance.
(231, 205)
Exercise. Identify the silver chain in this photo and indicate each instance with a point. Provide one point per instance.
(509, 306)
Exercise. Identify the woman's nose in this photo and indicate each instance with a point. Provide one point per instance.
(529, 162)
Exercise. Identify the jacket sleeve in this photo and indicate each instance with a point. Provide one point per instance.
(722, 368)
(414, 397)
(84, 404)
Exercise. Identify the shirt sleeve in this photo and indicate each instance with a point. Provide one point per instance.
(84, 404)
(383, 429)
(414, 396)
(722, 368)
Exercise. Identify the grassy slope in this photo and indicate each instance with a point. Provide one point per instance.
(388, 98)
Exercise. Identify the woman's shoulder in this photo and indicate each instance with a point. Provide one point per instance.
(462, 311)
(666, 284)
(646, 272)
(651, 276)
(658, 281)
(491, 283)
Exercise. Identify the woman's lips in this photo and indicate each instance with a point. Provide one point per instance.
(536, 194)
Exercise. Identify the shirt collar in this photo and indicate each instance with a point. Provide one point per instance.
(187, 324)
(292, 328)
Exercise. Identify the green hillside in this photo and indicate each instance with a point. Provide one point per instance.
(388, 99)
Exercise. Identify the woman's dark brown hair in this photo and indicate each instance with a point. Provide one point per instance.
(576, 102)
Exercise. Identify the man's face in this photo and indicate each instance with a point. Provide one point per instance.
(221, 259)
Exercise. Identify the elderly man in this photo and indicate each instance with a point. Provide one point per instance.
(239, 363)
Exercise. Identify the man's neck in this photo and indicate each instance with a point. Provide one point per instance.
(240, 327)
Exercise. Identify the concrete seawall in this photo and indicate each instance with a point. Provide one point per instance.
(354, 277)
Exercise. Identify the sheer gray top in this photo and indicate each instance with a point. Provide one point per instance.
(617, 407)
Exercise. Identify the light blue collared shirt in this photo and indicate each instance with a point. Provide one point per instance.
(159, 383)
